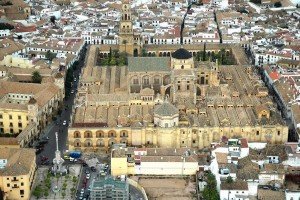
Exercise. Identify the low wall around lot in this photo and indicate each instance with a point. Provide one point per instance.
(138, 186)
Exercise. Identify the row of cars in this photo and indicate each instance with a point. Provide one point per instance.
(41, 144)
(85, 182)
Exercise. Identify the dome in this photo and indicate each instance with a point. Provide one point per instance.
(181, 54)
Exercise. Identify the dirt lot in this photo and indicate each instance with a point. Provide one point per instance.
(168, 188)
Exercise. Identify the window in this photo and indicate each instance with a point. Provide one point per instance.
(278, 133)
(8, 185)
(19, 117)
(21, 192)
(20, 125)
(135, 81)
(1, 116)
(10, 124)
(187, 87)
(22, 184)
(11, 130)
(257, 132)
(194, 141)
(182, 142)
(178, 87)
(10, 116)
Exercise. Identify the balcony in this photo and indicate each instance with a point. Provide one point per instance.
(15, 187)
(14, 180)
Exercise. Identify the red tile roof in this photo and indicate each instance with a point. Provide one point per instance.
(274, 75)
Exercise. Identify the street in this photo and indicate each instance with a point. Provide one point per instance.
(50, 147)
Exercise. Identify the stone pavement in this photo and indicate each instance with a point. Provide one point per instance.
(41, 176)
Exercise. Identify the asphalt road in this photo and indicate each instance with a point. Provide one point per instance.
(51, 129)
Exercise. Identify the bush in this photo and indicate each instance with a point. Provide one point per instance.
(277, 4)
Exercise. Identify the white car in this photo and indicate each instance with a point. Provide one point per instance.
(88, 176)
(72, 91)
(65, 122)
(82, 191)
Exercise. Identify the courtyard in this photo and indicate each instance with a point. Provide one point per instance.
(165, 188)
(48, 186)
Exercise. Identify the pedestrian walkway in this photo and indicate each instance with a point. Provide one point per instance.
(67, 185)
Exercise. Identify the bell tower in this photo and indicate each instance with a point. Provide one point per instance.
(128, 42)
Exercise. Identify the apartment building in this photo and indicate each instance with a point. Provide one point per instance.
(17, 172)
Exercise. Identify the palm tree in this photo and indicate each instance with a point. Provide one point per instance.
(36, 77)
(125, 42)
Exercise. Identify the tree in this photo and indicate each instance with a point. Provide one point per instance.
(37, 191)
(4, 26)
(105, 61)
(144, 53)
(50, 56)
(52, 19)
(74, 179)
(121, 61)
(36, 77)
(229, 181)
(210, 192)
(46, 192)
(112, 61)
(277, 4)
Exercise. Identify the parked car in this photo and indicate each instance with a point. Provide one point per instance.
(65, 122)
(84, 164)
(47, 162)
(43, 141)
(82, 191)
(88, 176)
(38, 151)
(87, 171)
(84, 180)
(67, 157)
(44, 158)
(93, 169)
(72, 91)
(73, 159)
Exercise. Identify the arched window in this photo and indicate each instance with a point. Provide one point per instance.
(77, 134)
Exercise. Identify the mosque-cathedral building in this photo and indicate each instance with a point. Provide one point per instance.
(170, 101)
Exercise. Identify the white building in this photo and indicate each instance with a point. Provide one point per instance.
(234, 191)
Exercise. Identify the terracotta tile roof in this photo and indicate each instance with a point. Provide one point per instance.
(221, 157)
(8, 46)
(247, 169)
(41, 92)
(19, 161)
(270, 194)
(274, 75)
(8, 141)
(236, 185)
